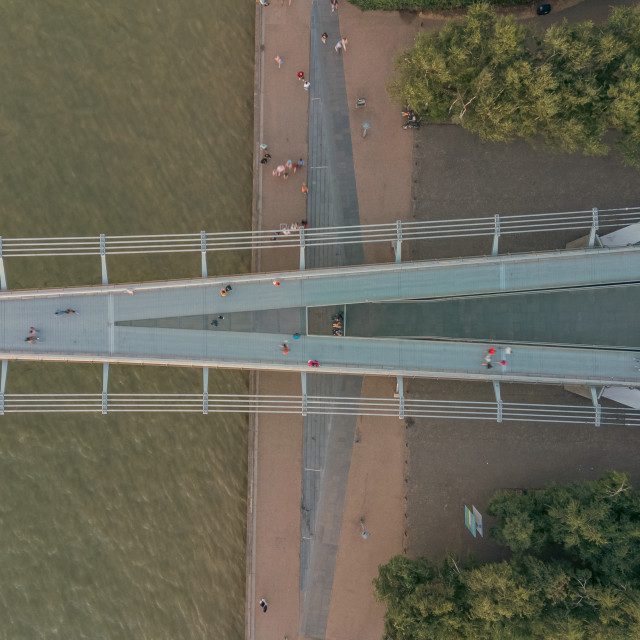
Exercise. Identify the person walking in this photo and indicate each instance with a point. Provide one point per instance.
(296, 335)
(300, 75)
(306, 85)
(305, 189)
(334, 5)
(338, 46)
(313, 363)
(279, 61)
(285, 347)
(324, 38)
(61, 312)
(263, 604)
(276, 283)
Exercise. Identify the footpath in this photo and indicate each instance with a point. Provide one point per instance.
(382, 165)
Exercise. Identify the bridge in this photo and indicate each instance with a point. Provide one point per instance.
(122, 323)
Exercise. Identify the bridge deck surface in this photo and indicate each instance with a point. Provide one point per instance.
(94, 334)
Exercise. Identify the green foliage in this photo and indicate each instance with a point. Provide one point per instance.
(574, 573)
(489, 74)
(437, 5)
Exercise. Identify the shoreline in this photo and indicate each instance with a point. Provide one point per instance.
(256, 224)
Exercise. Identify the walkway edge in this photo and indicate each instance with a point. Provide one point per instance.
(256, 224)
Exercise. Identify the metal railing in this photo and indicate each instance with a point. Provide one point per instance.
(398, 407)
(317, 237)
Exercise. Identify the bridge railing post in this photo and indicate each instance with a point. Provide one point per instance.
(3, 274)
(105, 386)
(302, 249)
(203, 251)
(400, 395)
(303, 380)
(597, 409)
(205, 391)
(496, 235)
(3, 384)
(496, 390)
(103, 258)
(397, 244)
(594, 227)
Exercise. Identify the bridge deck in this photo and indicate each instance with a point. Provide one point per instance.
(94, 335)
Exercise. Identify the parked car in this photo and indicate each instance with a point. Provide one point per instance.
(543, 9)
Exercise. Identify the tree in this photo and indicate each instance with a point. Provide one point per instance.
(574, 573)
(493, 77)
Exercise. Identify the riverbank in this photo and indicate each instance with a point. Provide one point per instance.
(382, 164)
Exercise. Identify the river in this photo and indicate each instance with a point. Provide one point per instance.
(123, 118)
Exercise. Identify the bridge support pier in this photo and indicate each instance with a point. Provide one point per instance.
(105, 386)
(205, 391)
(496, 390)
(3, 384)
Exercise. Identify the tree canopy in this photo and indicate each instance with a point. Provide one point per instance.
(498, 79)
(574, 573)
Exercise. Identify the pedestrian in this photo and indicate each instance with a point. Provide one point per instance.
(300, 75)
(278, 60)
(344, 44)
(325, 37)
(266, 158)
(213, 323)
(304, 224)
(296, 335)
(68, 312)
(503, 363)
(33, 332)
(491, 351)
(265, 3)
(264, 146)
(305, 189)
(487, 364)
(338, 46)
(507, 350)
(276, 283)
(280, 169)
(263, 604)
(314, 363)
(286, 175)
(223, 292)
(334, 5)
(289, 165)
(285, 347)
(306, 85)
(300, 164)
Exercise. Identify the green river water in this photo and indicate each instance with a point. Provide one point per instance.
(123, 117)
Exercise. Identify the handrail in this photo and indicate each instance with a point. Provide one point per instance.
(254, 403)
(316, 237)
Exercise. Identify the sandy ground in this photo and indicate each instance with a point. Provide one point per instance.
(383, 163)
